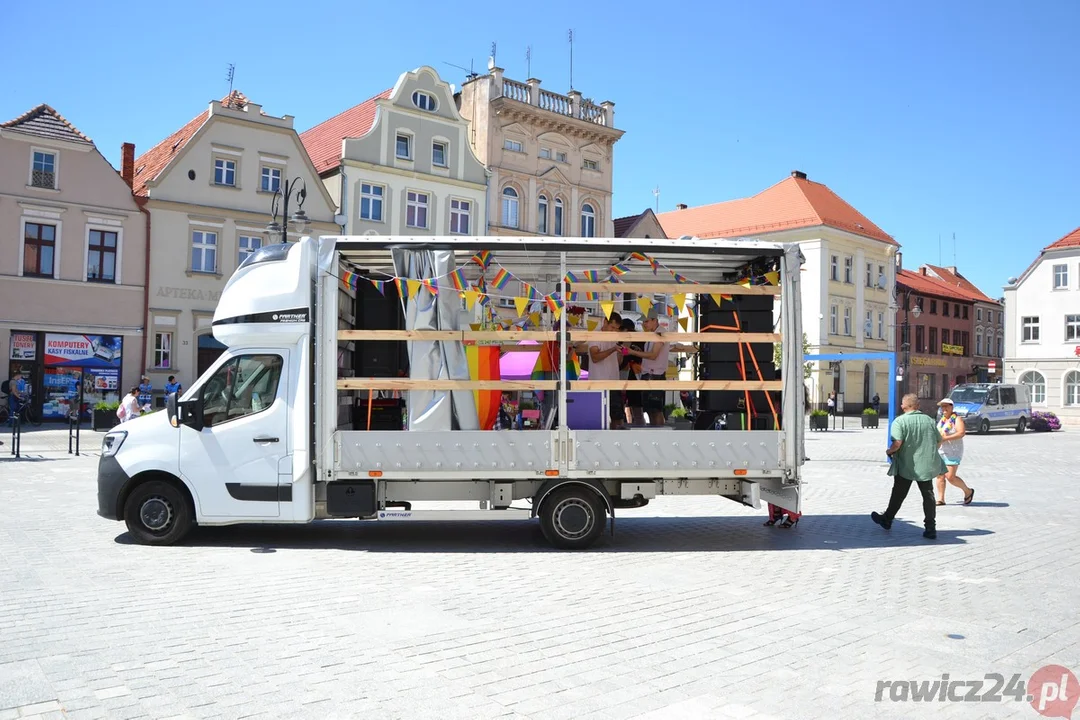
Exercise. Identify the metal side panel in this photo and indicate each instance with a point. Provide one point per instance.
(453, 453)
(674, 451)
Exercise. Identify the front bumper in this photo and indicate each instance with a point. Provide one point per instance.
(112, 481)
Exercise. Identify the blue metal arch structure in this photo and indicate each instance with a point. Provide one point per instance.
(890, 356)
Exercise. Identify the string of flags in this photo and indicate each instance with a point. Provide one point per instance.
(478, 291)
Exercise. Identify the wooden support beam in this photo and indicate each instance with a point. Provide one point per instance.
(415, 384)
(674, 337)
(754, 385)
(510, 335)
(399, 335)
(673, 288)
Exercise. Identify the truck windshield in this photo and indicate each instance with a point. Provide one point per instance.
(972, 395)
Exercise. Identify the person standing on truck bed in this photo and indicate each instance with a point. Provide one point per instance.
(604, 359)
(915, 459)
(629, 369)
(654, 364)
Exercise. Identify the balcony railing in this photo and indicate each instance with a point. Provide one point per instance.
(571, 105)
(515, 91)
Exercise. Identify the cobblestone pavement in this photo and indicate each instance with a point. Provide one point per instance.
(692, 610)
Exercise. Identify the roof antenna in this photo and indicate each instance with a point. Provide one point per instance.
(954, 249)
(470, 73)
(493, 48)
(656, 193)
(229, 78)
(528, 62)
(939, 249)
(571, 58)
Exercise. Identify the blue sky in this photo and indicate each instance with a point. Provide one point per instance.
(931, 118)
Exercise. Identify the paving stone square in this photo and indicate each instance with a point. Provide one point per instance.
(693, 609)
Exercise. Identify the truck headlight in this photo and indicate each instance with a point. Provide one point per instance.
(111, 443)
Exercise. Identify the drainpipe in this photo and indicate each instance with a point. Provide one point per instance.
(487, 201)
(141, 202)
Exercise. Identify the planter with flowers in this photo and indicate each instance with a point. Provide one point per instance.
(1043, 421)
(819, 420)
(869, 418)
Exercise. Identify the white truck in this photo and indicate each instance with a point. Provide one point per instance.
(258, 438)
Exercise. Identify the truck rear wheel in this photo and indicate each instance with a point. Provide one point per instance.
(157, 513)
(572, 518)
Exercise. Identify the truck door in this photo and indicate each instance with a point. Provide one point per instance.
(233, 461)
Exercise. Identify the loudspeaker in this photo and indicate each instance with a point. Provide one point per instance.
(375, 311)
(386, 414)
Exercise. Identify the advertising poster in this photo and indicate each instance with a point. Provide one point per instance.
(61, 391)
(23, 346)
(86, 351)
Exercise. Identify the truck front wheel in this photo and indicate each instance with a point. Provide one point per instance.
(572, 518)
(157, 513)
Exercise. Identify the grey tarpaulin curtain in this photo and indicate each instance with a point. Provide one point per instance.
(437, 360)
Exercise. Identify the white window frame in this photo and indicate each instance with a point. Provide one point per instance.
(560, 156)
(849, 269)
(159, 350)
(881, 274)
(1029, 329)
(1070, 389)
(429, 99)
(266, 169)
(868, 332)
(510, 206)
(990, 316)
(590, 164)
(225, 170)
(881, 326)
(1000, 344)
(56, 168)
(216, 246)
(103, 227)
(834, 314)
(463, 210)
(978, 315)
(558, 222)
(1035, 386)
(372, 198)
(847, 321)
(545, 153)
(542, 214)
(241, 252)
(1072, 324)
(869, 275)
(834, 268)
(409, 143)
(59, 224)
(413, 203)
(1061, 276)
(979, 342)
(511, 145)
(445, 152)
(588, 220)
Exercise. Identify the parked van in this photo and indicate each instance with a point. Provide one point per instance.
(986, 406)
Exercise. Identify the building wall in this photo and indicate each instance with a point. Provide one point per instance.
(989, 323)
(1053, 357)
(501, 110)
(933, 372)
(89, 195)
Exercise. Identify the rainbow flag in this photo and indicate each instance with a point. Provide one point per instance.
(432, 285)
(619, 269)
(457, 278)
(592, 275)
(639, 256)
(380, 286)
(402, 288)
(529, 291)
(570, 278)
(348, 279)
(484, 365)
(502, 279)
(554, 302)
(482, 258)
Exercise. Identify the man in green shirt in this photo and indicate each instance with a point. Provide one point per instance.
(914, 453)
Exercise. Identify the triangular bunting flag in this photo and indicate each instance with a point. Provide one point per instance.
(745, 282)
(534, 319)
(402, 288)
(557, 312)
(470, 298)
(684, 322)
(773, 277)
(414, 287)
(680, 300)
(607, 306)
(432, 285)
(379, 285)
(717, 298)
(644, 304)
(521, 304)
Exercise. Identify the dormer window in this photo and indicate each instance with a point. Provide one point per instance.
(424, 101)
(43, 170)
(591, 164)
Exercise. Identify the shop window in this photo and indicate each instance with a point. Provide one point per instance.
(163, 350)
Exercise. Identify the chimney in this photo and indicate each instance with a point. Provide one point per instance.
(127, 163)
(680, 206)
(798, 174)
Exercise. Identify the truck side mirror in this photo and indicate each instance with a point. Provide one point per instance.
(172, 410)
(188, 413)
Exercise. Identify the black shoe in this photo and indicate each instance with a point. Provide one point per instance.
(930, 534)
(881, 520)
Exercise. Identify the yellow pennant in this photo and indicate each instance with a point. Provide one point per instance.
(557, 312)
(607, 306)
(684, 321)
(592, 324)
(470, 298)
(644, 304)
(773, 277)
(534, 319)
(680, 300)
(745, 282)
(521, 304)
(414, 287)
(717, 298)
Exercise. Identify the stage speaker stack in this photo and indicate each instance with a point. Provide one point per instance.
(721, 361)
(371, 358)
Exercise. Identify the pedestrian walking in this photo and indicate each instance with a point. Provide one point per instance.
(952, 430)
(875, 402)
(129, 407)
(915, 459)
(831, 402)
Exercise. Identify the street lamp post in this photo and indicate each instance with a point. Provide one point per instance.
(905, 344)
(294, 190)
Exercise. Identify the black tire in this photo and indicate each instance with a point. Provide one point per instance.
(29, 414)
(157, 513)
(572, 518)
(984, 427)
(1022, 425)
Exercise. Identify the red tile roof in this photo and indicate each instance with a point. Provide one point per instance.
(953, 278)
(1070, 240)
(44, 121)
(150, 164)
(929, 285)
(323, 142)
(794, 202)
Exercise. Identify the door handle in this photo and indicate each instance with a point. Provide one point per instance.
(264, 440)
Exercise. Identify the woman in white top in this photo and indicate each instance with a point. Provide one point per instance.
(952, 430)
(129, 406)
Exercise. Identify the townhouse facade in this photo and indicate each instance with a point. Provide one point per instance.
(988, 325)
(848, 280)
(934, 332)
(209, 189)
(1042, 329)
(73, 276)
(400, 163)
(550, 156)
